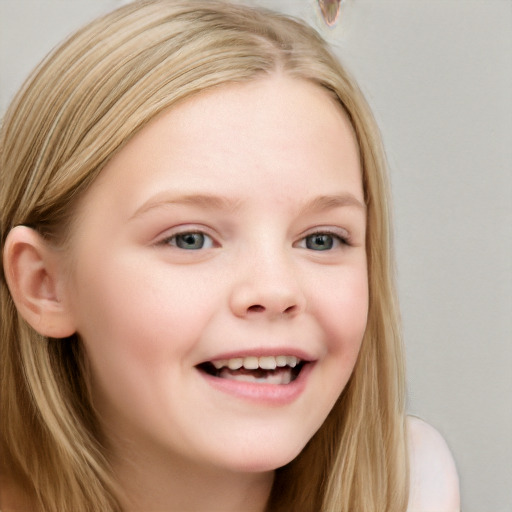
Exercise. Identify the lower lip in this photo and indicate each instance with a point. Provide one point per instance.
(268, 394)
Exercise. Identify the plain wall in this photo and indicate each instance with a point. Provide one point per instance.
(438, 74)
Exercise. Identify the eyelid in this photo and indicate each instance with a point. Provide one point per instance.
(342, 234)
(183, 230)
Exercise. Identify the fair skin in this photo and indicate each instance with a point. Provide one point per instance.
(251, 288)
(199, 246)
(230, 230)
(434, 482)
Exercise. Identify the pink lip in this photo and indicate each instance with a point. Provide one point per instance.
(259, 352)
(267, 394)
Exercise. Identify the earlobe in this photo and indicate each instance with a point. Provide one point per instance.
(35, 280)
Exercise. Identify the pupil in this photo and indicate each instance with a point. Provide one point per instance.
(190, 241)
(319, 242)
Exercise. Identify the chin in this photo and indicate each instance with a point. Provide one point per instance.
(263, 461)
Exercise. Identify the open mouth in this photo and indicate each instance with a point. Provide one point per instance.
(278, 370)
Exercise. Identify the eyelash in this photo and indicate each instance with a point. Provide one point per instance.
(342, 240)
(172, 240)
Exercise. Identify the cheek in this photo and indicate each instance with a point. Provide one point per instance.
(135, 330)
(134, 306)
(343, 310)
(122, 331)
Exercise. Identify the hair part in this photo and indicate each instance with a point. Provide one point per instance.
(76, 111)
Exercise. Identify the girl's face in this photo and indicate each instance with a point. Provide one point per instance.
(226, 239)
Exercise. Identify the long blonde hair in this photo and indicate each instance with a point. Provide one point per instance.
(79, 107)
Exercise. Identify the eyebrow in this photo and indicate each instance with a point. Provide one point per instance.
(329, 202)
(205, 201)
(215, 202)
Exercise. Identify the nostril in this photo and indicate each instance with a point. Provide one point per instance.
(256, 308)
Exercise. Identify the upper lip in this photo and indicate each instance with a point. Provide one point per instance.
(263, 352)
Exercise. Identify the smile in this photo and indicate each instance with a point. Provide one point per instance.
(276, 370)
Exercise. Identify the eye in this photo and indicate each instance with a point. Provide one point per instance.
(191, 241)
(323, 241)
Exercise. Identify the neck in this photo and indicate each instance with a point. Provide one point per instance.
(156, 483)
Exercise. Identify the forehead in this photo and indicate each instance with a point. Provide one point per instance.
(268, 112)
(271, 132)
(273, 105)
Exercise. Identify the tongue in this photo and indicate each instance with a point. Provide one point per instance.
(278, 376)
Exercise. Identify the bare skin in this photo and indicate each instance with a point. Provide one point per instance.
(217, 251)
(206, 285)
(434, 482)
(14, 496)
(211, 490)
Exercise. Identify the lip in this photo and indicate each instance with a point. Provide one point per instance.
(261, 393)
(258, 352)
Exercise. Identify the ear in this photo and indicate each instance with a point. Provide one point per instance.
(35, 277)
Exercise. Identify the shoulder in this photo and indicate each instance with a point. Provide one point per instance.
(13, 495)
(434, 483)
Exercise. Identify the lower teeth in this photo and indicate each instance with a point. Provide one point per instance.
(279, 376)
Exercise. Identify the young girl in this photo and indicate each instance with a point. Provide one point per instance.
(198, 311)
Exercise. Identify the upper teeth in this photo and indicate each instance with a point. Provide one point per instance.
(253, 363)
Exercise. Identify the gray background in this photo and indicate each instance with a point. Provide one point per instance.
(438, 74)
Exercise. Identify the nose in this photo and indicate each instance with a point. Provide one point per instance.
(267, 288)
